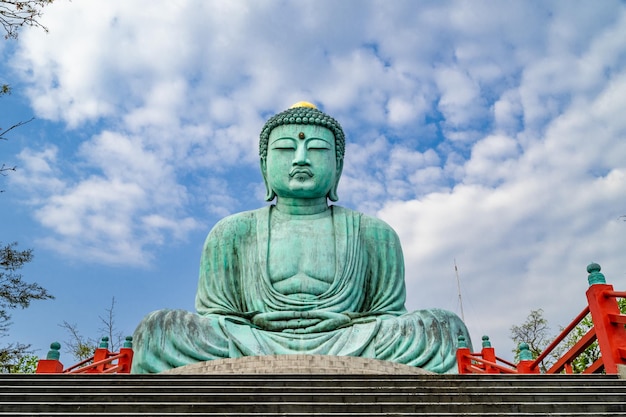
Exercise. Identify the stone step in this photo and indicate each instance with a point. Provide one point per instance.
(325, 408)
(346, 396)
(146, 391)
(306, 414)
(310, 395)
(276, 383)
(268, 385)
(315, 380)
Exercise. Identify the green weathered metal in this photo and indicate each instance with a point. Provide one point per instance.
(55, 351)
(524, 352)
(595, 276)
(300, 276)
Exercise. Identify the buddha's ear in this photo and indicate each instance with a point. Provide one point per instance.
(269, 193)
(332, 194)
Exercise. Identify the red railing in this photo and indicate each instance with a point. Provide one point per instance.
(485, 362)
(608, 329)
(103, 361)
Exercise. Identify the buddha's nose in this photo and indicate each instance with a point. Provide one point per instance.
(300, 157)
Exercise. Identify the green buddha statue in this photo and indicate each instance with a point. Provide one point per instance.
(300, 276)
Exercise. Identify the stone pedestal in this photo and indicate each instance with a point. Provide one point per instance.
(299, 364)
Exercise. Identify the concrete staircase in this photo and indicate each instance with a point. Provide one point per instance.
(310, 395)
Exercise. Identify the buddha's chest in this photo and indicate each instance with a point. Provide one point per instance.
(302, 255)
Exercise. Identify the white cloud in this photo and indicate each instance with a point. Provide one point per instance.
(104, 220)
(401, 110)
(38, 171)
(460, 101)
(493, 160)
(67, 79)
(524, 242)
(106, 215)
(488, 132)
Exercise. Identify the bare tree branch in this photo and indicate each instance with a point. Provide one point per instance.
(11, 355)
(15, 14)
(22, 123)
(79, 346)
(4, 168)
(116, 338)
(83, 347)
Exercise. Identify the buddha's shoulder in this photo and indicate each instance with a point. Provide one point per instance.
(369, 225)
(239, 223)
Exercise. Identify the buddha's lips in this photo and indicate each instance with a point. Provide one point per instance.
(296, 171)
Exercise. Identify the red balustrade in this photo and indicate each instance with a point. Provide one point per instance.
(103, 361)
(608, 329)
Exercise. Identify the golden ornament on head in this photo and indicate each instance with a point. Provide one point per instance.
(303, 104)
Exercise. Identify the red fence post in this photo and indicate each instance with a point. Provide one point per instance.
(51, 365)
(463, 356)
(101, 353)
(126, 360)
(489, 354)
(525, 365)
(611, 335)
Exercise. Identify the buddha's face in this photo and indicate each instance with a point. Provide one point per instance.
(301, 161)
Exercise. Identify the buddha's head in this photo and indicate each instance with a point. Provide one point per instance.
(301, 152)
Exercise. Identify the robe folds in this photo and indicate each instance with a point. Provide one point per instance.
(235, 293)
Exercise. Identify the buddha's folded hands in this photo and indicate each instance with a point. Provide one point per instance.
(300, 321)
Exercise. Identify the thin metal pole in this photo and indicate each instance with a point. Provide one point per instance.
(458, 284)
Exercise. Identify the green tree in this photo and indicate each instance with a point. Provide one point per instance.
(26, 364)
(14, 293)
(592, 353)
(536, 333)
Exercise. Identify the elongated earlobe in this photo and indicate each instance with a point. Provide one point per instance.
(269, 193)
(332, 194)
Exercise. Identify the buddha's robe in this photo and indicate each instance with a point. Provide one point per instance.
(235, 295)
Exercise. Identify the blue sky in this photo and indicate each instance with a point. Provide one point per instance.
(490, 133)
